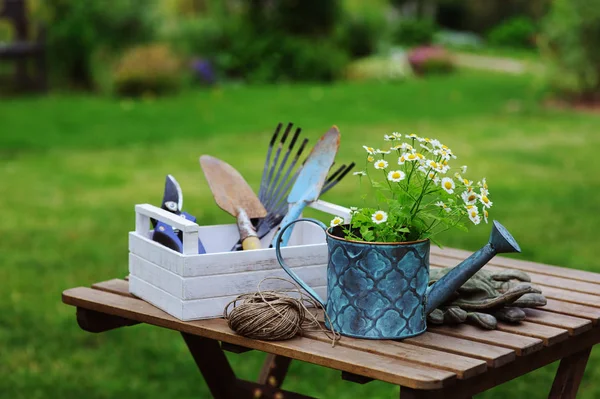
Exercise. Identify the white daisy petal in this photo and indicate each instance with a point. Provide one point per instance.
(396, 175)
(381, 164)
(448, 185)
(379, 217)
(360, 173)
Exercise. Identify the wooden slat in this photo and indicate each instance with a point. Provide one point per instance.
(572, 274)
(380, 367)
(574, 325)
(573, 309)
(115, 286)
(550, 335)
(521, 344)
(570, 296)
(495, 356)
(464, 367)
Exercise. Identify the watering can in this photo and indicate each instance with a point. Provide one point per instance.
(381, 290)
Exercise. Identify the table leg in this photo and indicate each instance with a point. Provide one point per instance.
(409, 393)
(569, 374)
(274, 370)
(213, 365)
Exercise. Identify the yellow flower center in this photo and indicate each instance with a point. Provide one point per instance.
(402, 159)
(431, 175)
(485, 199)
(473, 213)
(380, 164)
(448, 185)
(396, 175)
(379, 216)
(370, 158)
(420, 155)
(466, 182)
(472, 197)
(412, 156)
(444, 147)
(469, 206)
(445, 163)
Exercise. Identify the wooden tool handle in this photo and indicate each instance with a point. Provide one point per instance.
(251, 242)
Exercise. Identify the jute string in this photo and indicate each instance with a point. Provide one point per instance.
(275, 315)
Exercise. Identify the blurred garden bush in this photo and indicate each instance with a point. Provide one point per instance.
(414, 32)
(147, 70)
(571, 43)
(427, 60)
(517, 32)
(78, 30)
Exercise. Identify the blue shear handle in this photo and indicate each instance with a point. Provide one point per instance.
(285, 267)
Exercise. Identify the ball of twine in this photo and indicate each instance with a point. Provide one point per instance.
(274, 315)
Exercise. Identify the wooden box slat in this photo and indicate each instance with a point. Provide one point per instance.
(495, 356)
(464, 367)
(379, 367)
(522, 345)
(573, 309)
(550, 335)
(574, 325)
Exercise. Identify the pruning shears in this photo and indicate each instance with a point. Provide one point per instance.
(172, 202)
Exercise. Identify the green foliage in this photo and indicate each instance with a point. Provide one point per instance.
(418, 193)
(517, 32)
(149, 69)
(78, 29)
(239, 51)
(570, 41)
(360, 32)
(414, 32)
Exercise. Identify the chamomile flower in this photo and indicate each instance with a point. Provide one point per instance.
(370, 158)
(425, 148)
(443, 206)
(379, 217)
(353, 209)
(485, 201)
(369, 150)
(396, 175)
(397, 135)
(463, 169)
(402, 159)
(360, 173)
(378, 151)
(448, 185)
(411, 157)
(432, 164)
(381, 164)
(467, 182)
(485, 215)
(484, 192)
(336, 221)
(458, 176)
(435, 143)
(407, 147)
(413, 136)
(388, 138)
(473, 213)
(469, 197)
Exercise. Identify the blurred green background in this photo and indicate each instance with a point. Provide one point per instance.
(140, 89)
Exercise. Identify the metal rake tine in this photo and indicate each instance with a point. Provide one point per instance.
(263, 180)
(277, 153)
(285, 184)
(281, 166)
(328, 186)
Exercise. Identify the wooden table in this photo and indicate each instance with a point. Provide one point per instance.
(445, 362)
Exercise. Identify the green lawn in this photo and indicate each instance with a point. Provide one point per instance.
(73, 166)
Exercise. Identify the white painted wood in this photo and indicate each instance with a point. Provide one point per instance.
(188, 310)
(192, 286)
(332, 209)
(167, 217)
(222, 284)
(227, 262)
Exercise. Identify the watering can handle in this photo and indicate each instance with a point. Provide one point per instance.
(287, 269)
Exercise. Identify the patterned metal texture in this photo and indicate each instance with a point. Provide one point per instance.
(377, 290)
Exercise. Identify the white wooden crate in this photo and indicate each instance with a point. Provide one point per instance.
(193, 286)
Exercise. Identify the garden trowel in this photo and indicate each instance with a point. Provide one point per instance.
(235, 196)
(310, 181)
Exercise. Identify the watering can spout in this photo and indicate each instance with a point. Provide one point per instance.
(501, 241)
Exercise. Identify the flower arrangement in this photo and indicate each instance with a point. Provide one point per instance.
(417, 194)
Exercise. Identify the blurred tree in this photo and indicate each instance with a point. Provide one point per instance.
(571, 42)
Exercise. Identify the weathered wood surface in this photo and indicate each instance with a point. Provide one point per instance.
(447, 361)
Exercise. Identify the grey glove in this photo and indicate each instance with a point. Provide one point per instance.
(487, 297)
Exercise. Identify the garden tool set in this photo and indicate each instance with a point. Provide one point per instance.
(283, 172)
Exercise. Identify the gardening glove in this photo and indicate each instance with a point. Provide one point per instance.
(486, 297)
